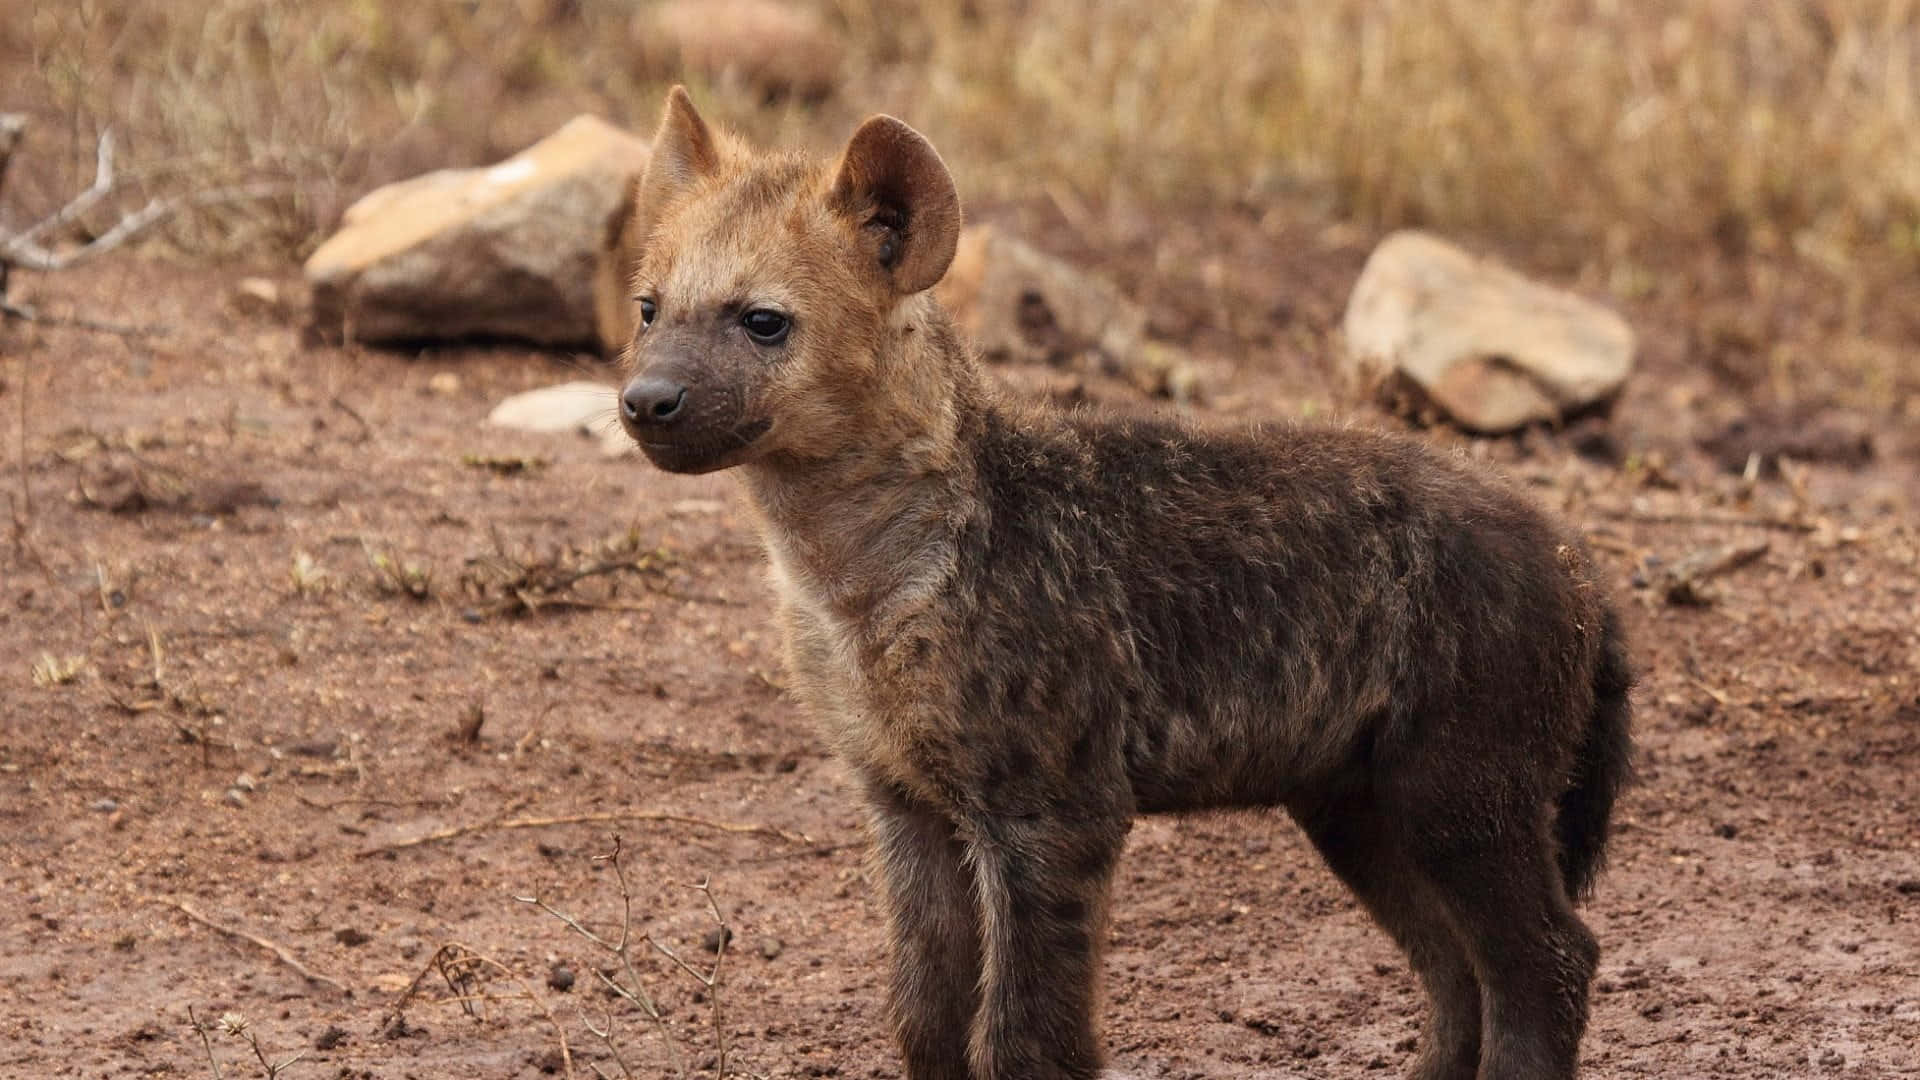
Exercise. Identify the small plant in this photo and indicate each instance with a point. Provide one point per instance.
(308, 577)
(235, 1026)
(395, 577)
(522, 582)
(51, 670)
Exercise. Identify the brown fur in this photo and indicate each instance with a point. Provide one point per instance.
(1022, 627)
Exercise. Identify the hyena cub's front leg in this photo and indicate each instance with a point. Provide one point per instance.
(935, 931)
(1042, 882)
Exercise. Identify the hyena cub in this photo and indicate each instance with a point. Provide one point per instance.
(1022, 627)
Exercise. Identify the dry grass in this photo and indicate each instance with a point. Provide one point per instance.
(1605, 123)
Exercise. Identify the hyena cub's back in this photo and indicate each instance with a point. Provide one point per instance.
(1023, 627)
(1242, 619)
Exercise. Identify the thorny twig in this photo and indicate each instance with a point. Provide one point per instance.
(634, 990)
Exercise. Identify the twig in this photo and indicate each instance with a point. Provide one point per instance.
(806, 853)
(605, 1035)
(77, 322)
(456, 963)
(711, 980)
(499, 824)
(279, 952)
(1645, 518)
(19, 250)
(366, 429)
(24, 519)
(633, 990)
(398, 804)
(79, 204)
(206, 1041)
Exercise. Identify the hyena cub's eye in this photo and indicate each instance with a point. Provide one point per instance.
(766, 326)
(647, 311)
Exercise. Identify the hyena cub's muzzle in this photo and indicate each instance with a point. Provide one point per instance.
(684, 423)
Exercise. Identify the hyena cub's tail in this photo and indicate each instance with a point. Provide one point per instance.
(1604, 766)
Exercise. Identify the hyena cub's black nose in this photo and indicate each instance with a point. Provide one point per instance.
(650, 400)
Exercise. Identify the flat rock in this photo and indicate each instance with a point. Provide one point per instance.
(1489, 348)
(579, 406)
(779, 49)
(509, 251)
(1017, 303)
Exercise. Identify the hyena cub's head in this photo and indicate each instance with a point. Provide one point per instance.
(768, 287)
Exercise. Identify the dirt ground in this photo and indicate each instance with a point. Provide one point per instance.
(306, 675)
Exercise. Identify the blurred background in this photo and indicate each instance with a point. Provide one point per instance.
(1612, 128)
(1614, 141)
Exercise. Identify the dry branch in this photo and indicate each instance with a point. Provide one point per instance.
(23, 249)
(279, 951)
(500, 824)
(633, 990)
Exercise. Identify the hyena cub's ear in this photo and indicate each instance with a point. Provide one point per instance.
(684, 153)
(896, 189)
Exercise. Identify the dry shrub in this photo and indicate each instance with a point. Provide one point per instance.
(1604, 123)
(1589, 120)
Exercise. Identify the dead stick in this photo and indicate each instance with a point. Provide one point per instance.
(279, 952)
(78, 322)
(457, 831)
(1645, 518)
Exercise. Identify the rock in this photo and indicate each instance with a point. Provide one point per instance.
(560, 977)
(778, 49)
(352, 936)
(1684, 584)
(509, 251)
(586, 407)
(1020, 304)
(1491, 349)
(259, 296)
(570, 406)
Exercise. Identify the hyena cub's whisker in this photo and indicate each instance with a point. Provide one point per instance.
(1022, 627)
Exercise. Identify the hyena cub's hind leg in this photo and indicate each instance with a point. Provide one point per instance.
(1533, 955)
(1481, 910)
(1362, 850)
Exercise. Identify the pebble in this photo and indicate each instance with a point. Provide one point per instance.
(560, 978)
(772, 947)
(104, 806)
